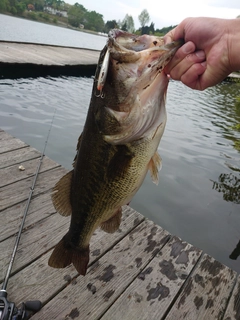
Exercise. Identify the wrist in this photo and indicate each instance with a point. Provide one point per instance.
(234, 45)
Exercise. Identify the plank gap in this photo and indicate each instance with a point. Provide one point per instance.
(19, 162)
(91, 263)
(27, 227)
(185, 283)
(14, 148)
(44, 184)
(31, 174)
(144, 267)
(230, 297)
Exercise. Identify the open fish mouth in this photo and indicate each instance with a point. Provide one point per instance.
(125, 47)
(131, 72)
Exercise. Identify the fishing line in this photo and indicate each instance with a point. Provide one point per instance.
(27, 207)
(3, 292)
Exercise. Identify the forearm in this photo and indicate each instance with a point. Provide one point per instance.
(234, 44)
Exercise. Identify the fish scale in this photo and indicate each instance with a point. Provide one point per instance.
(124, 125)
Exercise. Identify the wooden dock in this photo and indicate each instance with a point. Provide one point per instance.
(19, 59)
(49, 55)
(139, 272)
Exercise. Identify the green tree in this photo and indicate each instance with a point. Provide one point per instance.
(4, 5)
(16, 7)
(76, 15)
(151, 28)
(144, 18)
(38, 4)
(59, 4)
(128, 23)
(124, 26)
(93, 21)
(165, 30)
(109, 25)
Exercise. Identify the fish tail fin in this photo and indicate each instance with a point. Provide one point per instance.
(63, 255)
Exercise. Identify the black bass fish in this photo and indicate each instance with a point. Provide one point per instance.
(124, 125)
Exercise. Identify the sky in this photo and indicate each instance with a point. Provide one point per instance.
(163, 13)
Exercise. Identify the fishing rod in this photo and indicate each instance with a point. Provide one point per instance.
(8, 310)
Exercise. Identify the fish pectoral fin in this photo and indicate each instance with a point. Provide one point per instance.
(63, 255)
(112, 224)
(120, 162)
(154, 166)
(61, 195)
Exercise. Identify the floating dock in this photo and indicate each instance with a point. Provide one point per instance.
(139, 272)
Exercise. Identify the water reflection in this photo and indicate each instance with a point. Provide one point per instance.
(228, 121)
(229, 185)
(236, 252)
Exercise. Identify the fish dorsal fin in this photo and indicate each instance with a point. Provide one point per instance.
(61, 195)
(154, 166)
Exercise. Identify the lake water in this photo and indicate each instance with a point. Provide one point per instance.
(198, 195)
(17, 29)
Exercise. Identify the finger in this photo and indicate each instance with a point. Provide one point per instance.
(179, 31)
(181, 53)
(192, 77)
(168, 37)
(179, 69)
(210, 77)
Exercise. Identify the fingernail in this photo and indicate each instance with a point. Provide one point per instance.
(188, 48)
(200, 54)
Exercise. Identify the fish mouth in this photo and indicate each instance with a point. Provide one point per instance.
(124, 47)
(139, 43)
(133, 85)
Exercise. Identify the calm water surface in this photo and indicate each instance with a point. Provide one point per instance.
(198, 195)
(17, 29)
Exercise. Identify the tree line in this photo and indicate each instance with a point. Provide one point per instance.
(79, 16)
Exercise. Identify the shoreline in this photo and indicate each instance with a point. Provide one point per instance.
(59, 24)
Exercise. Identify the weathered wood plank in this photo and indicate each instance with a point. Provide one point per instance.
(134, 273)
(13, 52)
(11, 144)
(5, 136)
(39, 281)
(18, 156)
(40, 207)
(206, 292)
(35, 241)
(90, 296)
(13, 174)
(11, 195)
(153, 291)
(233, 309)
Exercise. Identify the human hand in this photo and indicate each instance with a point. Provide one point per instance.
(207, 56)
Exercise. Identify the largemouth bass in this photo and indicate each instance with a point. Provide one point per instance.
(124, 125)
